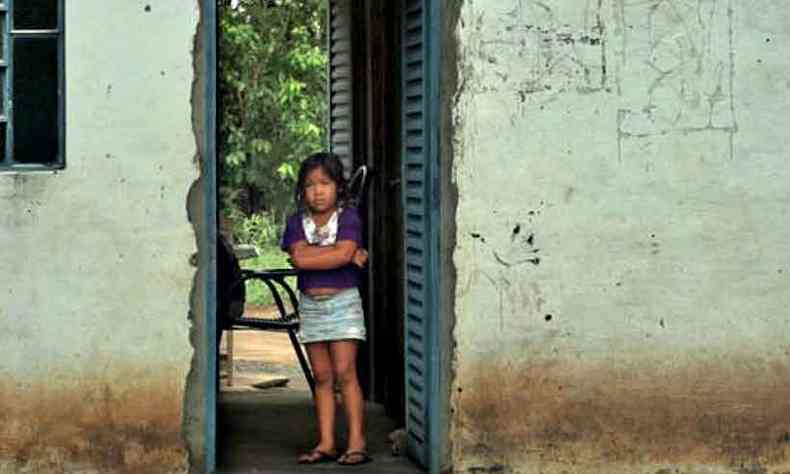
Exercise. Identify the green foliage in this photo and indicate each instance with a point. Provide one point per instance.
(270, 257)
(260, 229)
(272, 91)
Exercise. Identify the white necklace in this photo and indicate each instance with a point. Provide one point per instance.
(324, 235)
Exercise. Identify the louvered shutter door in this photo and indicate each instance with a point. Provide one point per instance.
(341, 94)
(421, 213)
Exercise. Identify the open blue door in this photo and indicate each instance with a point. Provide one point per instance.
(420, 178)
(341, 87)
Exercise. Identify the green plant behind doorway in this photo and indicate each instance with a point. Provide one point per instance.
(272, 101)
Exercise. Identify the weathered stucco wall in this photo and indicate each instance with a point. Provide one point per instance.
(95, 259)
(623, 248)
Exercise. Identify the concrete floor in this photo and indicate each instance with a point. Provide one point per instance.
(265, 430)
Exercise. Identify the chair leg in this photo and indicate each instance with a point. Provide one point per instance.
(230, 357)
(302, 360)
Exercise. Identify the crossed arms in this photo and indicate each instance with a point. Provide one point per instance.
(339, 254)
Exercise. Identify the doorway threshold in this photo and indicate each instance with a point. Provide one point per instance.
(266, 430)
(264, 427)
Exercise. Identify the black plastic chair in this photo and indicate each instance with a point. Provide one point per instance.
(232, 295)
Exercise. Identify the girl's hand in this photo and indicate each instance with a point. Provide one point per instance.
(360, 257)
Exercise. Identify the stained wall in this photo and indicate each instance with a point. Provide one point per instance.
(95, 259)
(621, 236)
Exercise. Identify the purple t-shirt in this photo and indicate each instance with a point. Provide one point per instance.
(349, 227)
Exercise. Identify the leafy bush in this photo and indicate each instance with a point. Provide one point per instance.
(258, 229)
(273, 113)
(273, 106)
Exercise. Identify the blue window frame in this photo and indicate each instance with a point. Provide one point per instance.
(31, 85)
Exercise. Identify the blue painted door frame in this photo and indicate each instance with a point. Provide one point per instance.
(420, 158)
(208, 264)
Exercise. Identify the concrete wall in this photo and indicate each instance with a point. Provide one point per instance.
(94, 259)
(623, 247)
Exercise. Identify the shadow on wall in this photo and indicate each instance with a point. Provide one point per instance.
(733, 413)
(126, 423)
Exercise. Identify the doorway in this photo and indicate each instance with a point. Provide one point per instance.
(256, 425)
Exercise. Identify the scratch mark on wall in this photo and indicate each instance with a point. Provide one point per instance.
(506, 263)
(687, 47)
(516, 297)
(538, 55)
(520, 251)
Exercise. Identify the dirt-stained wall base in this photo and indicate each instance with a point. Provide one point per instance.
(732, 413)
(127, 422)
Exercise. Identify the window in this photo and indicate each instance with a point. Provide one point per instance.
(31, 84)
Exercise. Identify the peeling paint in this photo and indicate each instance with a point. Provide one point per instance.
(452, 85)
(194, 397)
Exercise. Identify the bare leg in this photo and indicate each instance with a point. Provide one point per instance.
(321, 363)
(344, 364)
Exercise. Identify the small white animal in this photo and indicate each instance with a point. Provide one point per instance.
(398, 439)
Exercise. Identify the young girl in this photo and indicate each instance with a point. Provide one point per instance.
(324, 242)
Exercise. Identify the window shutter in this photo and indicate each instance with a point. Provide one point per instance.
(421, 225)
(341, 93)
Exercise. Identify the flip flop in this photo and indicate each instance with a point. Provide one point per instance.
(362, 456)
(317, 456)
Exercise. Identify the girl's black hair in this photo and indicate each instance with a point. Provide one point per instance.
(332, 166)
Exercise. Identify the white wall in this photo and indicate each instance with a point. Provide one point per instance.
(637, 149)
(94, 259)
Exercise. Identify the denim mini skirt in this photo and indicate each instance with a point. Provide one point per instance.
(331, 318)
